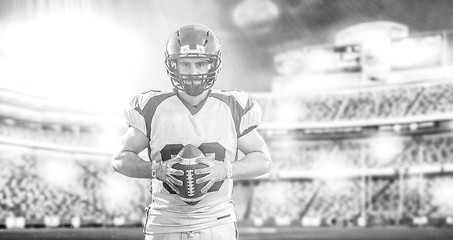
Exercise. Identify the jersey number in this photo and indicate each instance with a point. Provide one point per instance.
(206, 148)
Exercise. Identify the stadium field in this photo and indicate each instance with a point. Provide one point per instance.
(280, 233)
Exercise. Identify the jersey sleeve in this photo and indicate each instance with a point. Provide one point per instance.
(134, 115)
(140, 111)
(251, 116)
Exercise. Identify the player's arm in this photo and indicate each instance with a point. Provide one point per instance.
(126, 160)
(256, 162)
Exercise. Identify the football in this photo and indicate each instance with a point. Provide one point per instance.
(190, 192)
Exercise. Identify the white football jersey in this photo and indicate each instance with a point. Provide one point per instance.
(214, 127)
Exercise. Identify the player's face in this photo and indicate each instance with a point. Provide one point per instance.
(193, 74)
(193, 66)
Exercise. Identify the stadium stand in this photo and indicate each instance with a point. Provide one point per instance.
(363, 156)
(394, 190)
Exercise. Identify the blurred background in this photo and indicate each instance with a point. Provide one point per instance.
(357, 99)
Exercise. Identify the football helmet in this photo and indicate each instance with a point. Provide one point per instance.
(193, 41)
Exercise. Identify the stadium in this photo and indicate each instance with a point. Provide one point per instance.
(359, 127)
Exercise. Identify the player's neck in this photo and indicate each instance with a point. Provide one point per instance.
(193, 100)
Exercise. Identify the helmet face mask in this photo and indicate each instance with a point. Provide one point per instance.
(193, 42)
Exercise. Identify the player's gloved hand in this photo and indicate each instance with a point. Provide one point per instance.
(217, 171)
(166, 173)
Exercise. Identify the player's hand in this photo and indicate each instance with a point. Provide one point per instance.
(166, 173)
(217, 171)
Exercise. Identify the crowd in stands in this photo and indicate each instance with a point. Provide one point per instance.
(385, 102)
(62, 135)
(25, 191)
(382, 201)
(356, 153)
(79, 190)
(387, 198)
(372, 103)
(385, 201)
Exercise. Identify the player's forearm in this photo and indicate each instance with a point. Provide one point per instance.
(131, 165)
(252, 165)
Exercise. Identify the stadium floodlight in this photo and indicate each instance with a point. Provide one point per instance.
(311, 221)
(75, 222)
(117, 192)
(442, 194)
(423, 220)
(449, 220)
(362, 221)
(257, 221)
(10, 222)
(255, 14)
(385, 148)
(416, 51)
(119, 221)
(288, 112)
(61, 173)
(397, 128)
(278, 196)
(52, 221)
(73, 56)
(331, 166)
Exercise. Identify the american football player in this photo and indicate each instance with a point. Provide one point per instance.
(220, 123)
